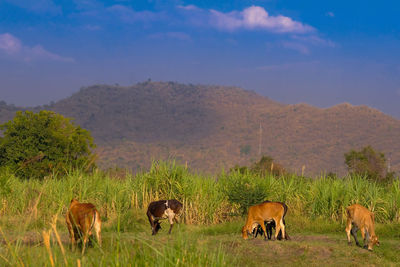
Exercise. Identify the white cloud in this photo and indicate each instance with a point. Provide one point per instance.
(38, 52)
(9, 44)
(256, 17)
(314, 40)
(189, 7)
(13, 47)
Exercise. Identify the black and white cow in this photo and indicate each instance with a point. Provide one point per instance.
(163, 209)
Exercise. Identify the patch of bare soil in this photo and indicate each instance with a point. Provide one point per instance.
(284, 252)
(319, 238)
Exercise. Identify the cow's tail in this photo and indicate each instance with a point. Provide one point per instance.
(285, 209)
(93, 220)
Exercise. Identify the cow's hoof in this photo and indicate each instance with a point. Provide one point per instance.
(349, 243)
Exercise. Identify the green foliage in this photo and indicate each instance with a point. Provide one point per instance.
(267, 165)
(39, 144)
(244, 189)
(264, 166)
(367, 162)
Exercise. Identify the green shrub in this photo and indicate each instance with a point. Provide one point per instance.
(36, 145)
(244, 189)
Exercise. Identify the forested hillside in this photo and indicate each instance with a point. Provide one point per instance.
(210, 127)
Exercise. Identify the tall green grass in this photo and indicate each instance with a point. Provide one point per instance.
(207, 199)
(28, 207)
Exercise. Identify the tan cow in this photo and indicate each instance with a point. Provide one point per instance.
(81, 219)
(265, 212)
(359, 217)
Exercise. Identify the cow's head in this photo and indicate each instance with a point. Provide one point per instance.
(245, 232)
(373, 241)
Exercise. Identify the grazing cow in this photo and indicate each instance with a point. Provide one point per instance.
(81, 219)
(267, 211)
(257, 230)
(163, 209)
(359, 217)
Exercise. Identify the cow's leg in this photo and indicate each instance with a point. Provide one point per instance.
(282, 230)
(97, 229)
(268, 226)
(363, 234)
(286, 234)
(260, 231)
(255, 232)
(150, 217)
(85, 240)
(348, 229)
(354, 230)
(170, 228)
(71, 235)
(171, 221)
(366, 238)
(277, 228)
(261, 222)
(73, 240)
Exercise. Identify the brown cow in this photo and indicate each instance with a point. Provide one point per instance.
(81, 219)
(359, 217)
(271, 225)
(163, 209)
(267, 211)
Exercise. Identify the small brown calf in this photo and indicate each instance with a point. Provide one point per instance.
(81, 219)
(359, 217)
(163, 209)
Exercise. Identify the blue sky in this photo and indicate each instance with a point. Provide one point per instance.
(318, 52)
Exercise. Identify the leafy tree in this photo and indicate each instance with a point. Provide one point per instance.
(267, 165)
(38, 144)
(367, 162)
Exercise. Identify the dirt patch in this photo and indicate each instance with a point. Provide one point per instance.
(318, 238)
(320, 253)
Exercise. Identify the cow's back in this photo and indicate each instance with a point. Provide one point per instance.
(157, 208)
(81, 213)
(267, 210)
(175, 205)
(360, 215)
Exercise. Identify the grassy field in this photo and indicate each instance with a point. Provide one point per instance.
(316, 243)
(33, 230)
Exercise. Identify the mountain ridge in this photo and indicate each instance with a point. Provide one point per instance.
(214, 127)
